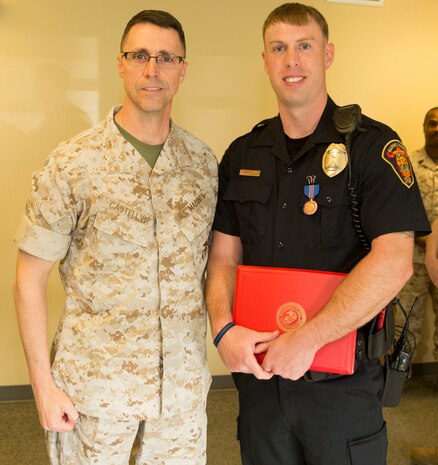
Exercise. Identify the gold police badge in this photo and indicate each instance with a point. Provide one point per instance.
(334, 160)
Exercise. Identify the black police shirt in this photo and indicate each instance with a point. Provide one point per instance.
(265, 196)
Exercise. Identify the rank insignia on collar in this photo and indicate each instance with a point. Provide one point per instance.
(395, 154)
(334, 160)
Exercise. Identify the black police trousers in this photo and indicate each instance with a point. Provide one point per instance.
(332, 422)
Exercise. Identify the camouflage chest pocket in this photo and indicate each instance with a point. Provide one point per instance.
(196, 224)
(330, 226)
(117, 252)
(194, 221)
(250, 197)
(124, 229)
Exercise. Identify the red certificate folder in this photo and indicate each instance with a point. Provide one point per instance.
(267, 299)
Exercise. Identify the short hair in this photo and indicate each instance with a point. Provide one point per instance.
(296, 14)
(428, 114)
(158, 18)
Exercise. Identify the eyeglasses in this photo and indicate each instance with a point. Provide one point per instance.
(164, 60)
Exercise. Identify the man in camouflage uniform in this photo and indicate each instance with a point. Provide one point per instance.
(429, 455)
(425, 163)
(126, 207)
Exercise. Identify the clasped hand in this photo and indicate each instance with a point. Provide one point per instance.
(288, 355)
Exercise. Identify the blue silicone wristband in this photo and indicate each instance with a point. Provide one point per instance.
(222, 332)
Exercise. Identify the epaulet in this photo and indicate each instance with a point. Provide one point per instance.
(262, 124)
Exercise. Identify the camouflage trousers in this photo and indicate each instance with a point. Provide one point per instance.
(179, 440)
(419, 286)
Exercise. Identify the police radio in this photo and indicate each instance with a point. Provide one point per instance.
(347, 121)
(398, 365)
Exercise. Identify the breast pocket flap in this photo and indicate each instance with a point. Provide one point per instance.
(136, 230)
(248, 190)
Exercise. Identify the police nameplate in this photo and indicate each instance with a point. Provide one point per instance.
(334, 160)
(252, 173)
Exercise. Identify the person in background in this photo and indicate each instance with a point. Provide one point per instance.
(425, 163)
(126, 207)
(284, 203)
(429, 455)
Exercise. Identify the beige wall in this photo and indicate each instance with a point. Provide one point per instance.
(59, 76)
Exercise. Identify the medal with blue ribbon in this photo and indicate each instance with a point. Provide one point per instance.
(311, 190)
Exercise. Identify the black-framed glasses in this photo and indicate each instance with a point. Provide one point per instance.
(164, 60)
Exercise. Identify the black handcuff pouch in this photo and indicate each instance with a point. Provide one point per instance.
(380, 340)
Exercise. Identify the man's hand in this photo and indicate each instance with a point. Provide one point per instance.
(56, 411)
(290, 355)
(238, 346)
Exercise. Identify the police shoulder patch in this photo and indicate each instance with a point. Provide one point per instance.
(395, 154)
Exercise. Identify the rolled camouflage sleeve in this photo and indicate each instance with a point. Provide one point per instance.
(45, 229)
(41, 242)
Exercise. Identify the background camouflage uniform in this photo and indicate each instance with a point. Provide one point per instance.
(419, 285)
(133, 248)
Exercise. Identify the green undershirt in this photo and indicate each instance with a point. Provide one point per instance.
(149, 152)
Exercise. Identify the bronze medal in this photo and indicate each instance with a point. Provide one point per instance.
(310, 207)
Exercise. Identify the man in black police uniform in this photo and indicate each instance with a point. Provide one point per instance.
(283, 202)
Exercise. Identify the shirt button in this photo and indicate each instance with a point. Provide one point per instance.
(280, 245)
(284, 206)
(289, 170)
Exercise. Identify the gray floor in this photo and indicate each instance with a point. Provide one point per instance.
(412, 424)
